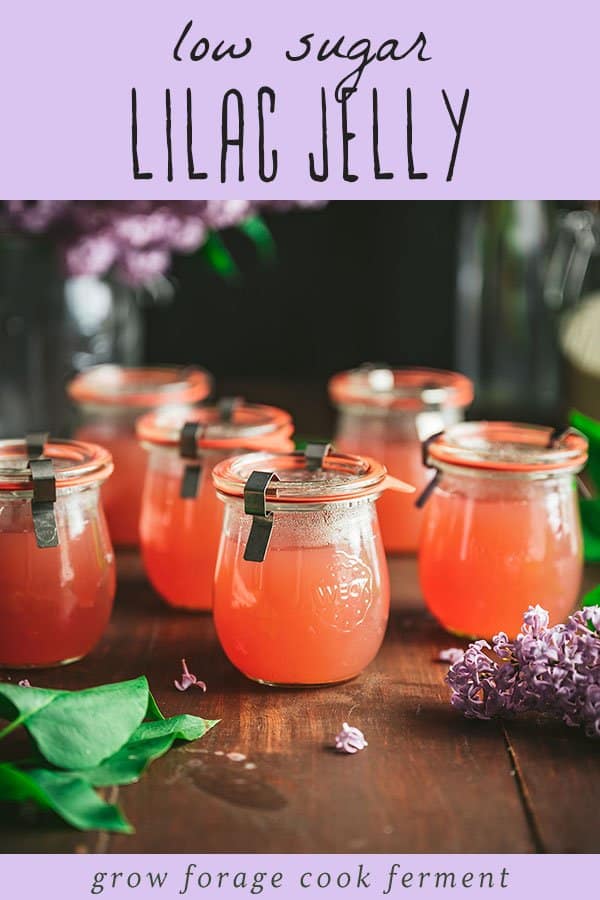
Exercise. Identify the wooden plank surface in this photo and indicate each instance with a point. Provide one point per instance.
(429, 781)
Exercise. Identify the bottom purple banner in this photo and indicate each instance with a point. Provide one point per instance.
(71, 877)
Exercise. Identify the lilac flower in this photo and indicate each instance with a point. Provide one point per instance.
(133, 238)
(24, 682)
(550, 670)
(188, 679)
(451, 655)
(350, 740)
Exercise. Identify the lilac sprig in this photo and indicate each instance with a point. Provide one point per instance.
(135, 239)
(550, 670)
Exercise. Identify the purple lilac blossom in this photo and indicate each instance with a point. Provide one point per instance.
(350, 739)
(550, 670)
(133, 238)
(188, 679)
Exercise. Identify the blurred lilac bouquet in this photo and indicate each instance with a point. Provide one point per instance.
(555, 671)
(135, 239)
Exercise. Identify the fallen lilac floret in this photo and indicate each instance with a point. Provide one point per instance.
(350, 740)
(188, 679)
(24, 682)
(550, 670)
(451, 655)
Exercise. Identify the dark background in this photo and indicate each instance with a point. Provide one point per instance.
(352, 282)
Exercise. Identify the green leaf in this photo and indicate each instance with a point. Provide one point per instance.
(99, 735)
(259, 233)
(153, 711)
(591, 428)
(77, 729)
(588, 426)
(592, 598)
(148, 742)
(68, 796)
(590, 520)
(219, 257)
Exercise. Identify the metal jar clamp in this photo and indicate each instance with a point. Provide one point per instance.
(43, 490)
(255, 505)
(430, 487)
(188, 449)
(255, 501)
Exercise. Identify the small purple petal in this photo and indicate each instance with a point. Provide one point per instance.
(188, 679)
(350, 740)
(451, 655)
(24, 682)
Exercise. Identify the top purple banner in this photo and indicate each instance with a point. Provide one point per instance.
(268, 100)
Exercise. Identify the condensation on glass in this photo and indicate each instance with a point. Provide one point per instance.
(301, 584)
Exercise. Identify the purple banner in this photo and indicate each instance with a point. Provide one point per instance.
(230, 877)
(320, 99)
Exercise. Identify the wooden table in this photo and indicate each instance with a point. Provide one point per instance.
(429, 780)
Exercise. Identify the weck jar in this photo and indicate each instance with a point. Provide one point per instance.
(301, 584)
(386, 413)
(109, 400)
(57, 570)
(180, 523)
(501, 528)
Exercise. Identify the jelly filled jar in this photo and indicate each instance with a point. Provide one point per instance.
(301, 584)
(181, 518)
(57, 571)
(110, 399)
(501, 528)
(386, 413)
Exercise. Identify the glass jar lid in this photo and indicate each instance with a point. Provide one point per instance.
(144, 388)
(509, 447)
(74, 463)
(382, 387)
(297, 479)
(230, 424)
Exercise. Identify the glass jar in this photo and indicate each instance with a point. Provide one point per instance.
(301, 584)
(573, 294)
(386, 414)
(57, 571)
(110, 399)
(501, 530)
(181, 518)
(52, 326)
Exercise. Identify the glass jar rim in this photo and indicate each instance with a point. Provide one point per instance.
(76, 463)
(408, 389)
(510, 447)
(143, 387)
(342, 476)
(244, 422)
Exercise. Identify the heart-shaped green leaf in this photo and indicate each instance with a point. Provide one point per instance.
(147, 743)
(95, 738)
(77, 729)
(70, 797)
